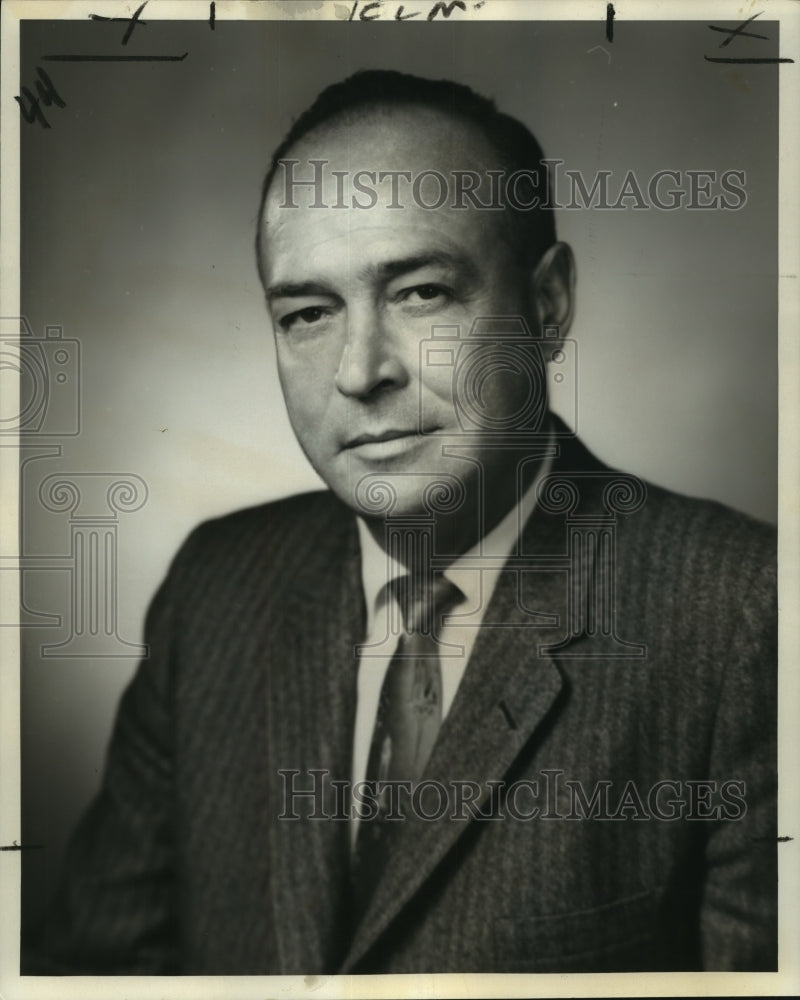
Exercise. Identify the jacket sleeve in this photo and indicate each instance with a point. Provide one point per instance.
(114, 911)
(738, 923)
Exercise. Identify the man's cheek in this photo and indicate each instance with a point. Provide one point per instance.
(437, 386)
(302, 406)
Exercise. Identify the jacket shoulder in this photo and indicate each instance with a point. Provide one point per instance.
(274, 535)
(698, 566)
(693, 536)
(705, 534)
(286, 514)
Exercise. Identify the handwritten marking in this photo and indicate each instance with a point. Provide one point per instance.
(47, 94)
(21, 847)
(133, 21)
(90, 58)
(446, 8)
(737, 33)
(744, 34)
(610, 14)
(31, 105)
(377, 9)
(755, 62)
(362, 13)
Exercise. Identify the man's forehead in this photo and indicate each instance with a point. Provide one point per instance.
(415, 157)
(397, 136)
(378, 182)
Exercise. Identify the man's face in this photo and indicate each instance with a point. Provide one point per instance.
(353, 292)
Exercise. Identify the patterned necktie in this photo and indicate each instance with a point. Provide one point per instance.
(408, 719)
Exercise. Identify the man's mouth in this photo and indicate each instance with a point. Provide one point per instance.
(385, 444)
(376, 438)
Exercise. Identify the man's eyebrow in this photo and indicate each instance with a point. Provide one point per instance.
(297, 289)
(384, 272)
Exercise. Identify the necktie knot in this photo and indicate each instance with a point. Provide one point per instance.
(424, 599)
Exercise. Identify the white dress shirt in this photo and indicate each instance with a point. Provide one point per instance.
(459, 628)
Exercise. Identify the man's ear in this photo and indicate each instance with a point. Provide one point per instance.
(553, 287)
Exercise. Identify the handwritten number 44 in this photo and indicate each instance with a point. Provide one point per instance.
(30, 104)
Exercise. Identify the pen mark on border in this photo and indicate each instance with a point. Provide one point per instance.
(133, 21)
(92, 58)
(736, 32)
(757, 62)
(381, 9)
(46, 94)
(743, 34)
(739, 32)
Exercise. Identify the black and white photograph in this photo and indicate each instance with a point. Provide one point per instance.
(400, 548)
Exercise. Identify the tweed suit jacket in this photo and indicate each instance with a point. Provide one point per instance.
(183, 864)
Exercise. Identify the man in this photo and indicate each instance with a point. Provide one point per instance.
(486, 705)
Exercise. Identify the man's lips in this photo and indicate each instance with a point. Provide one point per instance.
(387, 445)
(378, 437)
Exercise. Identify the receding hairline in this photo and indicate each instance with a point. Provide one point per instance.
(376, 110)
(509, 144)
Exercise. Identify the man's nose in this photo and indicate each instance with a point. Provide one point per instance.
(370, 361)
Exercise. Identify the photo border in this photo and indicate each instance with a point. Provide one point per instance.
(787, 979)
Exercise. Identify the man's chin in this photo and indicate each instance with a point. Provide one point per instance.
(404, 494)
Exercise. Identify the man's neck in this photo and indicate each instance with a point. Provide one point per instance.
(461, 531)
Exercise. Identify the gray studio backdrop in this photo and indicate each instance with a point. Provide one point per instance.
(138, 215)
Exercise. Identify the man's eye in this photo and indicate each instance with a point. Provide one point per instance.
(425, 293)
(303, 317)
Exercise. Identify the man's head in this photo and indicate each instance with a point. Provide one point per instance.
(360, 271)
